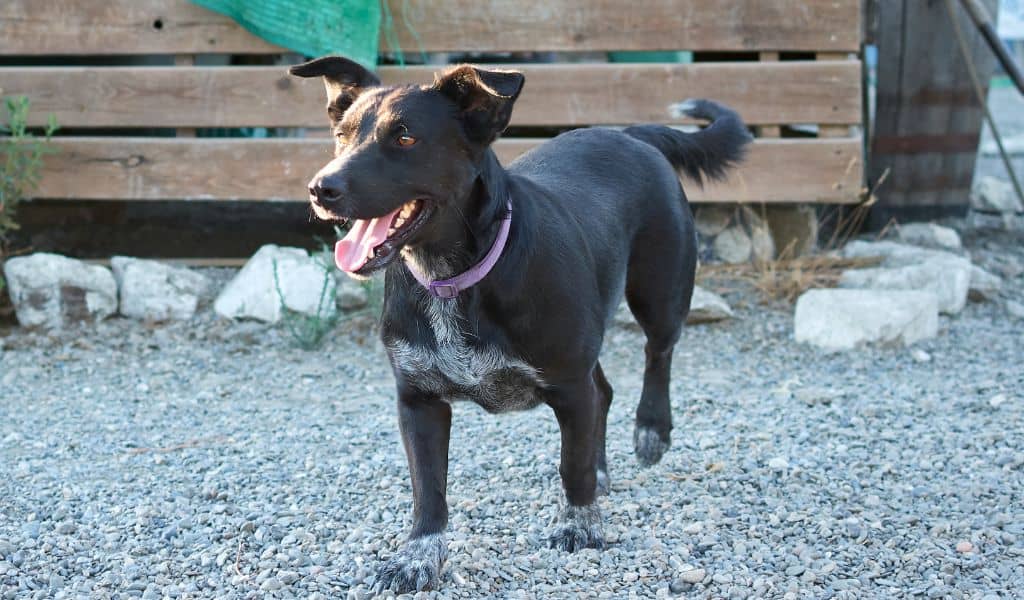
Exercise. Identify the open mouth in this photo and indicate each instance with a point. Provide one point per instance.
(372, 244)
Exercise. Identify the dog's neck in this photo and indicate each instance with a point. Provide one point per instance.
(472, 233)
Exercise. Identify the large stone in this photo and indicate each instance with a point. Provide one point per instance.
(276, 279)
(705, 307)
(49, 290)
(995, 196)
(733, 245)
(984, 285)
(794, 229)
(845, 319)
(155, 291)
(929, 235)
(948, 279)
(895, 254)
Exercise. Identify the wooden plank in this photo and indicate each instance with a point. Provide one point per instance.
(785, 170)
(557, 94)
(827, 130)
(36, 27)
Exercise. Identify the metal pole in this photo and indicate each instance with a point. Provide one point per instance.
(983, 22)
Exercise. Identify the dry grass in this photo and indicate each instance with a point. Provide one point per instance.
(789, 276)
(784, 279)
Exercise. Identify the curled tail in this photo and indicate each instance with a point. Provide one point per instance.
(704, 154)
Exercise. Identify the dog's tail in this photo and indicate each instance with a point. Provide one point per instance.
(704, 154)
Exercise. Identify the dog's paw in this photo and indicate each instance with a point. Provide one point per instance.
(415, 567)
(576, 528)
(649, 445)
(604, 484)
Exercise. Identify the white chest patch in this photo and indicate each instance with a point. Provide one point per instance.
(455, 369)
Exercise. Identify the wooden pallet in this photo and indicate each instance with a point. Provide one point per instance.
(790, 62)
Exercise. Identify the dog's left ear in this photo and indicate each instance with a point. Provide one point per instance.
(484, 98)
(343, 78)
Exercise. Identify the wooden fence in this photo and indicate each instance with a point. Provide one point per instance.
(790, 67)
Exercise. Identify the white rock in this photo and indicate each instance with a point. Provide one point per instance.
(692, 575)
(733, 245)
(995, 195)
(156, 291)
(929, 235)
(51, 291)
(778, 464)
(894, 254)
(846, 318)
(705, 307)
(948, 278)
(984, 285)
(302, 284)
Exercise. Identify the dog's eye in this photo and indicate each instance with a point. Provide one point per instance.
(405, 140)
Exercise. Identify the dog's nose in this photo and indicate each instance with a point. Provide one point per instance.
(324, 191)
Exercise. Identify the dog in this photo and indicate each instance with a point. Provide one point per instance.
(500, 282)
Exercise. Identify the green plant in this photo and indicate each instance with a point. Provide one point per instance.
(21, 156)
(308, 331)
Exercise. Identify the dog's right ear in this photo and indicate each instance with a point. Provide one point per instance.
(343, 78)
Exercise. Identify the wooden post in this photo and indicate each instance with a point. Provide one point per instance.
(928, 121)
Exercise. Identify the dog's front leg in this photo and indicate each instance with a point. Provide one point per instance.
(579, 523)
(425, 423)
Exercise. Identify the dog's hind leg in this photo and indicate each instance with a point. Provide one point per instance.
(579, 523)
(659, 286)
(604, 390)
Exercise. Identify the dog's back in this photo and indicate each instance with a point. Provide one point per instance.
(622, 191)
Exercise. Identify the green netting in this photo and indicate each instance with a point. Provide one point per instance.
(310, 27)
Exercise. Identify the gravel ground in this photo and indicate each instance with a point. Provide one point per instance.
(213, 459)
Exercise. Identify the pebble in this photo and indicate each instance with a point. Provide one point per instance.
(920, 355)
(695, 575)
(963, 547)
(778, 464)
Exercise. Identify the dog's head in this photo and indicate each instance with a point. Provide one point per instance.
(405, 157)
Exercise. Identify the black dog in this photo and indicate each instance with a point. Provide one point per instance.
(571, 225)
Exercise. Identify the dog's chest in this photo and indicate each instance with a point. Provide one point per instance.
(456, 369)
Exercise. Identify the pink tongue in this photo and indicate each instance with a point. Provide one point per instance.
(352, 252)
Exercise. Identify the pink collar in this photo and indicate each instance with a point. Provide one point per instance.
(449, 288)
